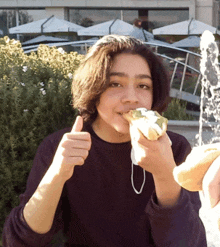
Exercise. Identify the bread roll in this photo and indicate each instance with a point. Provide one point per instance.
(151, 124)
(190, 174)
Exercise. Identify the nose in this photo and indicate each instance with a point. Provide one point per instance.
(130, 95)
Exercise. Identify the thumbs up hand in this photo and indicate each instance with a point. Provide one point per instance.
(73, 149)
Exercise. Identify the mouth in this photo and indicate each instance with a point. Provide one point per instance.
(122, 113)
(125, 112)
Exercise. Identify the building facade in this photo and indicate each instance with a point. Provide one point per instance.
(153, 13)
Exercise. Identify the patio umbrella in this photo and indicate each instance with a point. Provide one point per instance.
(44, 39)
(190, 27)
(48, 25)
(140, 33)
(191, 41)
(157, 42)
(109, 27)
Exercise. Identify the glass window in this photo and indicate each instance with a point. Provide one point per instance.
(37, 14)
(151, 18)
(160, 18)
(8, 18)
(89, 17)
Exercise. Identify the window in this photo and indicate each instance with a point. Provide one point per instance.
(159, 18)
(151, 18)
(89, 17)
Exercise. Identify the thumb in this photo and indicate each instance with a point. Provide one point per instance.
(78, 125)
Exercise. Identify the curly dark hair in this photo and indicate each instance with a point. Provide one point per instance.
(91, 78)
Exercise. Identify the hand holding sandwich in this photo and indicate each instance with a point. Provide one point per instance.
(151, 144)
(156, 156)
(152, 151)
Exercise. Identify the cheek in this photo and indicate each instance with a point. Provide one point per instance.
(104, 105)
(107, 100)
(147, 100)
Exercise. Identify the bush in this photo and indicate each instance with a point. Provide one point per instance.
(177, 110)
(35, 100)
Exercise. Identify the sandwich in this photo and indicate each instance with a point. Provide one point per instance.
(150, 123)
(190, 174)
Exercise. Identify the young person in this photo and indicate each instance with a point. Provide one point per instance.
(83, 180)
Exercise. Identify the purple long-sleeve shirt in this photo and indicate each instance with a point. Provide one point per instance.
(98, 206)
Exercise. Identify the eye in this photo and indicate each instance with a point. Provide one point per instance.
(114, 84)
(144, 86)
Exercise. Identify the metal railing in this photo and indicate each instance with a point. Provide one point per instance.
(185, 77)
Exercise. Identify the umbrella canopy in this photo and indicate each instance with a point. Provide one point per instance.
(109, 27)
(44, 39)
(49, 25)
(140, 33)
(156, 42)
(191, 41)
(190, 27)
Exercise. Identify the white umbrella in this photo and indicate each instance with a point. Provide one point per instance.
(109, 27)
(190, 27)
(191, 41)
(140, 33)
(48, 25)
(157, 42)
(44, 39)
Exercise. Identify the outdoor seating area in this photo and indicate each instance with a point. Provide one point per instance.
(182, 56)
(186, 32)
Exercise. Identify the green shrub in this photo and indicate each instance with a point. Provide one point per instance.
(35, 100)
(177, 110)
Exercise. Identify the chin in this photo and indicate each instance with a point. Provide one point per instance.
(123, 130)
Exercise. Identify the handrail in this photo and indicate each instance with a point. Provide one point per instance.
(178, 93)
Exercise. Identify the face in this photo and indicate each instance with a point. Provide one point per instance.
(130, 87)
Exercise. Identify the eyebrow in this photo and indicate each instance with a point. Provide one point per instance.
(139, 76)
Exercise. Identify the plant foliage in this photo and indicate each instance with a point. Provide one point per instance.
(35, 100)
(177, 110)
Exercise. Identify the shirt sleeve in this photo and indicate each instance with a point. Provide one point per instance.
(16, 231)
(181, 224)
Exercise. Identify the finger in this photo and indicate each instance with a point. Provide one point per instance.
(85, 136)
(75, 153)
(78, 125)
(77, 143)
(74, 160)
